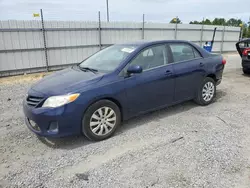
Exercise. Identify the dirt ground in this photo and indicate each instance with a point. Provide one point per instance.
(182, 146)
(23, 78)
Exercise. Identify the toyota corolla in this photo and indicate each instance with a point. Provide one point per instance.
(120, 82)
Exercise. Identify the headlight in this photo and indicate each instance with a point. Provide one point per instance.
(56, 101)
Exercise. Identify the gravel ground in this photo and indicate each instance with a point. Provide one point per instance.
(182, 146)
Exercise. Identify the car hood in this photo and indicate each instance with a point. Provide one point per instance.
(66, 81)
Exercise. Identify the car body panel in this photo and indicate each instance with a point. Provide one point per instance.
(152, 86)
(134, 94)
(187, 72)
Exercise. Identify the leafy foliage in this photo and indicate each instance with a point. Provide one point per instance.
(176, 20)
(234, 22)
(231, 22)
(221, 21)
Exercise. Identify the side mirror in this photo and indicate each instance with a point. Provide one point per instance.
(134, 69)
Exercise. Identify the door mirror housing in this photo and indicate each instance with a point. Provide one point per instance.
(134, 69)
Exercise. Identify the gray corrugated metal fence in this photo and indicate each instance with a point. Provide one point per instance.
(22, 42)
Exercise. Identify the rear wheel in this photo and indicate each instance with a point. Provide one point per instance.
(206, 92)
(101, 120)
(246, 71)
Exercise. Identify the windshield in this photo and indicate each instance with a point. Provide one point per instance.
(109, 58)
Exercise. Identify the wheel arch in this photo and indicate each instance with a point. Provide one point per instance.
(213, 76)
(112, 99)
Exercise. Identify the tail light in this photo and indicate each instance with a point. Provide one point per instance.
(245, 51)
(224, 61)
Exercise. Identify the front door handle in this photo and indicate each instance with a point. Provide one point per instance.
(201, 64)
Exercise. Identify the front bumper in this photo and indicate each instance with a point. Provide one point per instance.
(218, 82)
(66, 118)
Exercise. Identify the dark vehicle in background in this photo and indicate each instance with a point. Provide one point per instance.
(120, 82)
(243, 48)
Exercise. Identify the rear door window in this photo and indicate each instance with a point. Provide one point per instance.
(244, 44)
(183, 52)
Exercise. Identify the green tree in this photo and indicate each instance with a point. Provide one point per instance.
(175, 20)
(231, 22)
(207, 22)
(246, 31)
(194, 22)
(219, 21)
(234, 22)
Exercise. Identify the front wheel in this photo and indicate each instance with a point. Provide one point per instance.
(101, 120)
(206, 92)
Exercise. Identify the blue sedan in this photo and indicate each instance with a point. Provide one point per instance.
(120, 82)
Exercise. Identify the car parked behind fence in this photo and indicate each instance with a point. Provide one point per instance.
(243, 48)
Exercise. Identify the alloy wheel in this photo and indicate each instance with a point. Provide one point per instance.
(103, 121)
(208, 91)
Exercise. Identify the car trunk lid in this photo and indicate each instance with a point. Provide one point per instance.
(243, 48)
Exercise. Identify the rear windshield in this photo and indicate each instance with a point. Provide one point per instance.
(244, 44)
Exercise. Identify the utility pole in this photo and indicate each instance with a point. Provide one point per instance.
(175, 32)
(107, 2)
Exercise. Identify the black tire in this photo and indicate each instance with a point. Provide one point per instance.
(199, 98)
(246, 71)
(90, 111)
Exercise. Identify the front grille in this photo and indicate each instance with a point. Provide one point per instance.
(34, 101)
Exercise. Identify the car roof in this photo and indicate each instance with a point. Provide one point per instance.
(148, 42)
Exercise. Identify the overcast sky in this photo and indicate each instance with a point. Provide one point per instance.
(125, 10)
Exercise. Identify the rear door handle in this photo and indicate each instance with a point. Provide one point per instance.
(201, 64)
(168, 72)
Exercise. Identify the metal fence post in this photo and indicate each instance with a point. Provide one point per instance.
(99, 30)
(222, 39)
(143, 25)
(175, 31)
(44, 42)
(202, 28)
